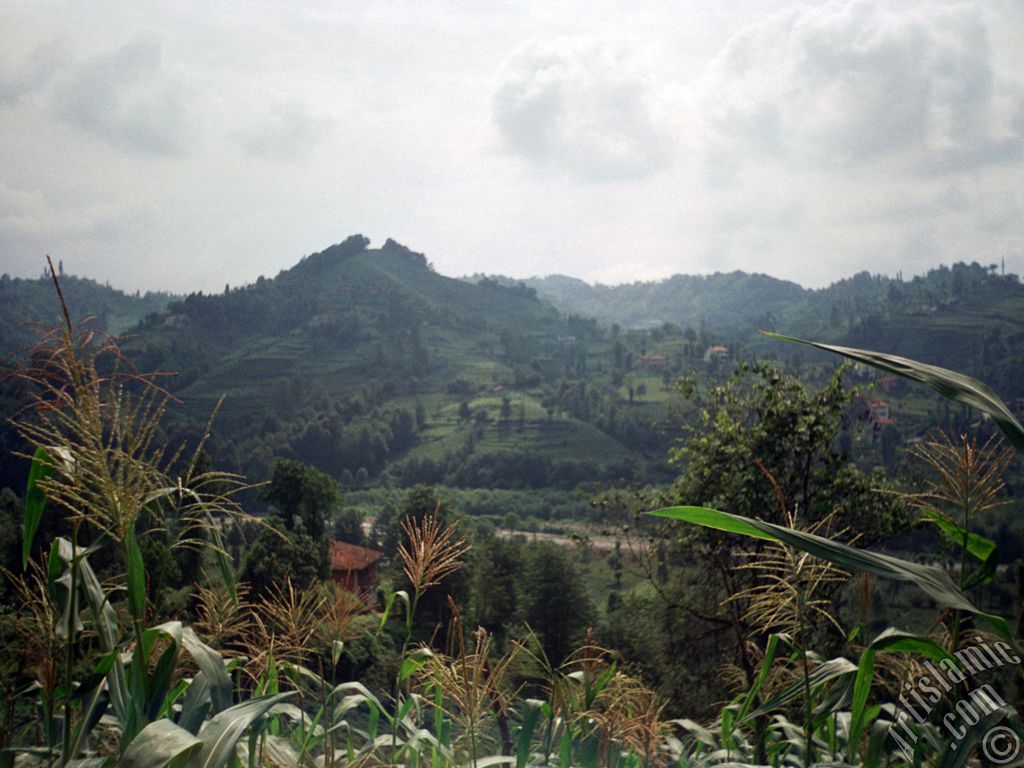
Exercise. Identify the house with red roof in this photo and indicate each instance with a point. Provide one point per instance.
(354, 569)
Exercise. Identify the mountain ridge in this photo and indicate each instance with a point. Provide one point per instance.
(365, 360)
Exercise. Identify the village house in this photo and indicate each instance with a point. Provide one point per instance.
(716, 350)
(880, 413)
(354, 569)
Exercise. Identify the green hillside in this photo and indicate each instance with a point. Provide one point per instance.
(26, 302)
(368, 364)
(968, 316)
(721, 301)
(371, 366)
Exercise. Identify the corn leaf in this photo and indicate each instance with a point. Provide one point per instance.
(932, 580)
(136, 576)
(196, 704)
(221, 734)
(958, 750)
(823, 673)
(35, 500)
(524, 738)
(159, 744)
(890, 641)
(955, 386)
(766, 667)
(983, 549)
(104, 623)
(211, 664)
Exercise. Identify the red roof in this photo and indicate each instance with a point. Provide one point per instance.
(349, 557)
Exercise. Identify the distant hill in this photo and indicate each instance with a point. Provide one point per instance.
(368, 364)
(27, 302)
(966, 317)
(724, 301)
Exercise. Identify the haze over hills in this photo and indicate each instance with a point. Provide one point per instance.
(371, 365)
(727, 301)
(966, 317)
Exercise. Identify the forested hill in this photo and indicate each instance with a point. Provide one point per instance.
(26, 302)
(967, 317)
(368, 364)
(731, 301)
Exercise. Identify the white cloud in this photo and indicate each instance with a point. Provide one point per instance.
(848, 83)
(22, 77)
(585, 105)
(284, 133)
(168, 145)
(128, 99)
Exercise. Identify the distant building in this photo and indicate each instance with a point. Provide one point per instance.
(355, 569)
(880, 412)
(714, 351)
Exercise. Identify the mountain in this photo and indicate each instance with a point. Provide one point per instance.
(967, 317)
(370, 365)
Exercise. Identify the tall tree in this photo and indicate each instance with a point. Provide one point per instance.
(294, 543)
(497, 570)
(302, 493)
(554, 601)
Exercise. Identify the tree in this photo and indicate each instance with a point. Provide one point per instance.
(555, 603)
(11, 516)
(279, 554)
(763, 428)
(761, 441)
(615, 562)
(294, 542)
(348, 526)
(302, 492)
(498, 565)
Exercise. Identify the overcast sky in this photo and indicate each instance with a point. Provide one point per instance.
(185, 145)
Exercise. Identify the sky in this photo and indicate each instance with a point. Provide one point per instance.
(184, 146)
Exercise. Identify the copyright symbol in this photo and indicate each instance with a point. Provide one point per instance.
(1000, 745)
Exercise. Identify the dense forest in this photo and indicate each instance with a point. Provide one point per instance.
(499, 445)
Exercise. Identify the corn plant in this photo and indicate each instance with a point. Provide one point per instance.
(93, 424)
(970, 485)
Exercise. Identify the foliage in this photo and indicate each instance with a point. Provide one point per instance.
(115, 687)
(262, 676)
(279, 555)
(555, 603)
(969, 480)
(764, 433)
(761, 443)
(303, 494)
